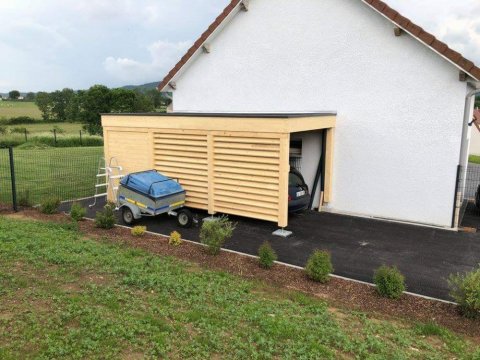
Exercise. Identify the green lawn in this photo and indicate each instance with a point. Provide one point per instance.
(66, 173)
(66, 297)
(475, 159)
(9, 109)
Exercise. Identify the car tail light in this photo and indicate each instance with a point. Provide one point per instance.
(289, 198)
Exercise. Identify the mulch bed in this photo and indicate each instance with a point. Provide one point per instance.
(338, 293)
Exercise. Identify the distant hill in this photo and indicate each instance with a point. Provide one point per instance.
(144, 87)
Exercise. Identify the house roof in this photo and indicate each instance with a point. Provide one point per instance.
(394, 16)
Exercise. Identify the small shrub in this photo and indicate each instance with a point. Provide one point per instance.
(18, 130)
(175, 238)
(319, 266)
(77, 212)
(105, 219)
(465, 289)
(57, 129)
(3, 130)
(50, 206)
(389, 281)
(266, 255)
(214, 233)
(24, 199)
(139, 230)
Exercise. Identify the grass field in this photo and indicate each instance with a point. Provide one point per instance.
(475, 159)
(9, 109)
(42, 134)
(65, 296)
(66, 173)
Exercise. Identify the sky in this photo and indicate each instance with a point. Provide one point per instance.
(52, 44)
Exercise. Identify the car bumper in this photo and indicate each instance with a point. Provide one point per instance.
(298, 204)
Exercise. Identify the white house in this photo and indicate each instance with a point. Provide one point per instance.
(397, 154)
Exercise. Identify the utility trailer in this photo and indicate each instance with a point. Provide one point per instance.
(149, 193)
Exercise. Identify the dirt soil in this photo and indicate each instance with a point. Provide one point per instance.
(338, 293)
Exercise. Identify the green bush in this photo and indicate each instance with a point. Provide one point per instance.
(215, 232)
(24, 198)
(33, 145)
(50, 206)
(3, 130)
(106, 219)
(11, 142)
(266, 255)
(77, 212)
(319, 266)
(21, 120)
(465, 289)
(389, 281)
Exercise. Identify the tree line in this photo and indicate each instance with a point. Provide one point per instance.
(15, 95)
(86, 106)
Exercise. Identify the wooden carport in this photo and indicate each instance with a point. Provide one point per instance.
(234, 164)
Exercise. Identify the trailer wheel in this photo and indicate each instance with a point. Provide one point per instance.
(185, 218)
(127, 216)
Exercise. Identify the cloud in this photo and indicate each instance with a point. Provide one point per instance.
(455, 23)
(163, 54)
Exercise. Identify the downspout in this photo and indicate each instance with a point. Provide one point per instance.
(465, 125)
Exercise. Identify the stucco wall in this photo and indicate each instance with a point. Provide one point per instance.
(400, 106)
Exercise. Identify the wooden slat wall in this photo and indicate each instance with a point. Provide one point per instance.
(183, 155)
(246, 175)
(235, 173)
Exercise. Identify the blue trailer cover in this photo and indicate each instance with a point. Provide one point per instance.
(152, 183)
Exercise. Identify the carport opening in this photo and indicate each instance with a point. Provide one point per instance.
(306, 149)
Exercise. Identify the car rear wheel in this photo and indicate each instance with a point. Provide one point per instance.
(127, 216)
(185, 218)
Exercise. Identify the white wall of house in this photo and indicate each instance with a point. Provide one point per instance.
(400, 106)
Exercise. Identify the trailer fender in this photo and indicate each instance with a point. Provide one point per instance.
(135, 210)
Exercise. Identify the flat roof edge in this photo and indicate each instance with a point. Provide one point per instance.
(232, 115)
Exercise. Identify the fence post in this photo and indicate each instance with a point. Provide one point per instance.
(25, 131)
(55, 136)
(12, 177)
(81, 143)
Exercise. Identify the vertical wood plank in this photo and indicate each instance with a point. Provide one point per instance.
(211, 175)
(329, 165)
(284, 166)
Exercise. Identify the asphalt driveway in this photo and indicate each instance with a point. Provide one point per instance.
(426, 256)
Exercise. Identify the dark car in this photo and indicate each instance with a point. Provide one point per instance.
(298, 194)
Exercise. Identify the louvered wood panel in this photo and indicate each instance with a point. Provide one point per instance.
(183, 155)
(246, 170)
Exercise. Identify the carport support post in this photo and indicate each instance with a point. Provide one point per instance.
(329, 165)
(12, 177)
(284, 168)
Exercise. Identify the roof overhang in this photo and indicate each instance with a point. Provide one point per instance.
(284, 123)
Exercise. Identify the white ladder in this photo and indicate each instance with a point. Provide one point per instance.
(108, 177)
